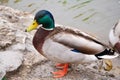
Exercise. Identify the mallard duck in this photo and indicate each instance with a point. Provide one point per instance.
(114, 37)
(65, 45)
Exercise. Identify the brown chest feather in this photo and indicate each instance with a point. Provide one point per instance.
(39, 38)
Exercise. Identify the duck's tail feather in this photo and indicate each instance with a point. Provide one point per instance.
(107, 54)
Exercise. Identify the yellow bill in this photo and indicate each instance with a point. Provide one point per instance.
(32, 26)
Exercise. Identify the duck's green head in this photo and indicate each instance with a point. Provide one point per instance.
(44, 18)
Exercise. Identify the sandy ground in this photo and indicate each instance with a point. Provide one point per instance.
(35, 66)
(42, 71)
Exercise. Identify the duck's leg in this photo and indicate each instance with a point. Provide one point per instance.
(62, 72)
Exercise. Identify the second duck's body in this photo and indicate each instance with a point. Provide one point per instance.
(114, 37)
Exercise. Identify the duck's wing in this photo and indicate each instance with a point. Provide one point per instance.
(77, 40)
(114, 37)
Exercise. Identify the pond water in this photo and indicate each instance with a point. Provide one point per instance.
(96, 17)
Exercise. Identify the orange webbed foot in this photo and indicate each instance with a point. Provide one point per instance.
(62, 72)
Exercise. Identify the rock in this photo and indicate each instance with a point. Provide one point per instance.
(2, 72)
(12, 39)
(9, 61)
(5, 31)
(18, 46)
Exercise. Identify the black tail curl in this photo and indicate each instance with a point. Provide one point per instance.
(105, 52)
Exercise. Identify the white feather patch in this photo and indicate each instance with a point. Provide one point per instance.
(109, 56)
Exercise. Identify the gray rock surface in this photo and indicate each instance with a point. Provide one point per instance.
(20, 61)
(9, 61)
